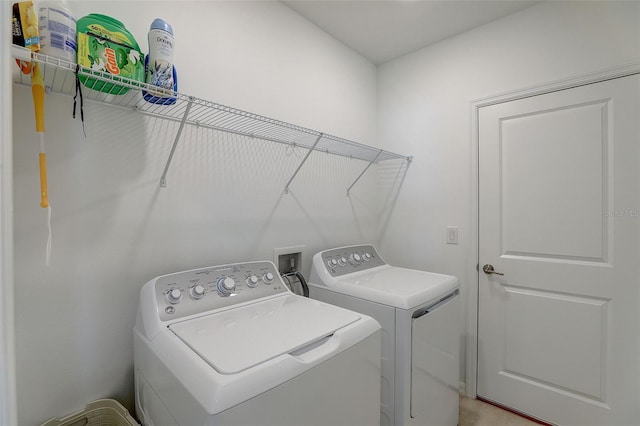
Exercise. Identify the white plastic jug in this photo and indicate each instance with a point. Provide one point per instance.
(57, 28)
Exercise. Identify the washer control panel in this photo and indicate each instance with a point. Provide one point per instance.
(201, 290)
(346, 260)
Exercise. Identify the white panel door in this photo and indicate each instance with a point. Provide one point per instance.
(559, 216)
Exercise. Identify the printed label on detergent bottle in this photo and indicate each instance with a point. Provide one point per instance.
(105, 45)
(57, 30)
(159, 69)
(24, 25)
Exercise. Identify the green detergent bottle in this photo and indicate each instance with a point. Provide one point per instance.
(105, 45)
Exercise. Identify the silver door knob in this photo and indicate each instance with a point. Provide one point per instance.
(488, 269)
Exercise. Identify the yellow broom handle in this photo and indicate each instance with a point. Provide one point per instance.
(37, 90)
(44, 196)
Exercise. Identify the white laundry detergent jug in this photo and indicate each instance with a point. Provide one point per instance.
(57, 28)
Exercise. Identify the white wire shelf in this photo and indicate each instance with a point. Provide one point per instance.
(59, 77)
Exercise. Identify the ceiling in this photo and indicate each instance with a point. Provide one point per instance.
(382, 30)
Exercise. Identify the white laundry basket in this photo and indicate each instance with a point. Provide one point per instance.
(101, 412)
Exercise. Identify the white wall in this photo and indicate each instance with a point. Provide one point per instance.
(425, 109)
(8, 406)
(114, 228)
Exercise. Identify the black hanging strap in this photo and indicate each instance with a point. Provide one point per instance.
(79, 91)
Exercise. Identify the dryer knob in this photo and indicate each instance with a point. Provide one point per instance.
(197, 291)
(226, 285)
(355, 259)
(342, 261)
(267, 278)
(252, 281)
(332, 263)
(174, 296)
(366, 257)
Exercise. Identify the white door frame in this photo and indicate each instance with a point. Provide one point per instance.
(472, 267)
(8, 402)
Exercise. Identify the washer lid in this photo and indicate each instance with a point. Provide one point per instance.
(398, 287)
(240, 338)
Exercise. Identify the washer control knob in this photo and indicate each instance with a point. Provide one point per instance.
(342, 261)
(226, 285)
(197, 291)
(174, 296)
(267, 278)
(355, 259)
(332, 263)
(252, 281)
(366, 257)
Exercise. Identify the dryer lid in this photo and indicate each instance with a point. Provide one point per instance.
(240, 338)
(398, 287)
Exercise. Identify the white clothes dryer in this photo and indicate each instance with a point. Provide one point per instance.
(231, 345)
(420, 317)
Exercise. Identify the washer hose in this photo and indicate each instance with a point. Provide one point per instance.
(300, 277)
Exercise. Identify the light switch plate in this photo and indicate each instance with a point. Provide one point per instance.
(452, 235)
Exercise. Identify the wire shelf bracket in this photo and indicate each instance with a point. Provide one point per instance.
(363, 172)
(163, 179)
(286, 187)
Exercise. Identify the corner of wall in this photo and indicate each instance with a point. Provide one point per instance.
(8, 403)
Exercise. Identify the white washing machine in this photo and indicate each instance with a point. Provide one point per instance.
(420, 317)
(231, 345)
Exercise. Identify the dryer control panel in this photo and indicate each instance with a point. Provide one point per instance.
(201, 290)
(346, 260)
